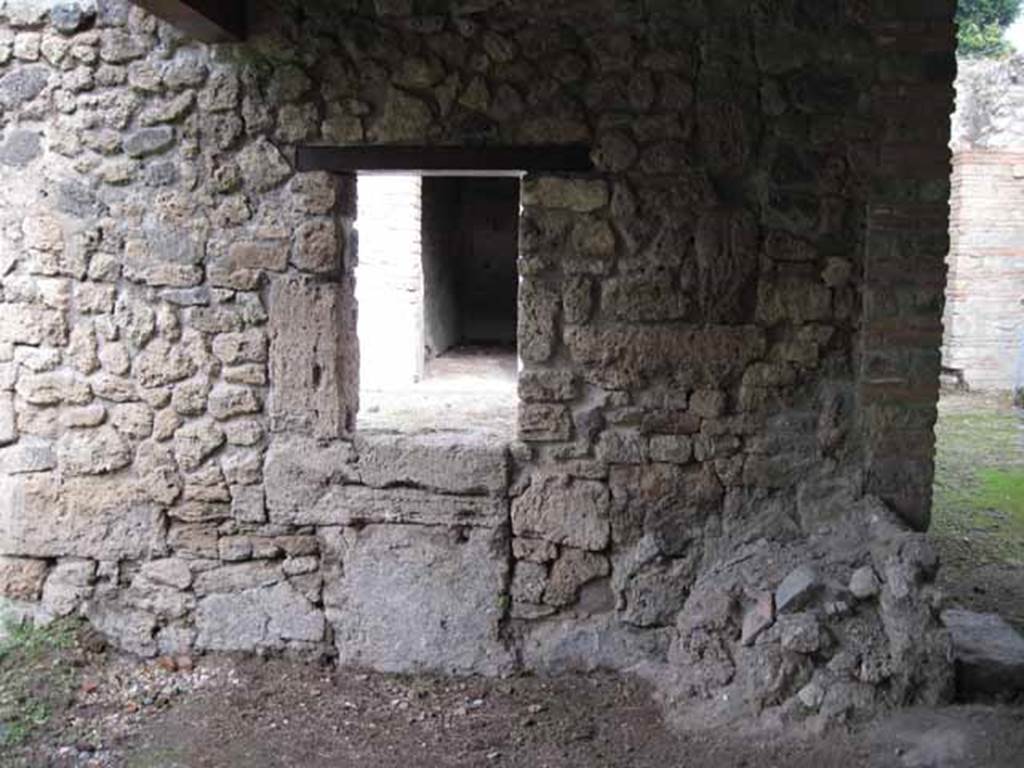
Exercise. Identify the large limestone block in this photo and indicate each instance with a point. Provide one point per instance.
(308, 362)
(359, 504)
(299, 471)
(269, 617)
(100, 518)
(413, 598)
(453, 463)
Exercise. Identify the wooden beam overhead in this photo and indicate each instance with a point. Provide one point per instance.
(208, 21)
(451, 161)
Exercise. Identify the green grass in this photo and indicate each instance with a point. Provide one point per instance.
(979, 481)
(34, 680)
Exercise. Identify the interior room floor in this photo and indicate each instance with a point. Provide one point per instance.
(466, 389)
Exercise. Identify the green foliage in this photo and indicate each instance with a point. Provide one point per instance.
(983, 25)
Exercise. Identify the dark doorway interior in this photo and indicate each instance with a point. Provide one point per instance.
(470, 248)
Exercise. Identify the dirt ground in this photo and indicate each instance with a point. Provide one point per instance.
(68, 702)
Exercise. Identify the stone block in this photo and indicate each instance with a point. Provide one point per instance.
(579, 195)
(227, 402)
(68, 586)
(268, 617)
(309, 379)
(98, 518)
(989, 653)
(443, 587)
(544, 423)
(547, 386)
(797, 590)
(22, 578)
(33, 325)
(292, 500)
(317, 248)
(627, 357)
(566, 511)
(457, 463)
(8, 419)
(539, 304)
(92, 451)
(570, 572)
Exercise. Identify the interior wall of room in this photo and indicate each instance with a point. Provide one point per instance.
(441, 232)
(487, 257)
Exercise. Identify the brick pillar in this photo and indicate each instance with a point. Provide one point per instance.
(907, 242)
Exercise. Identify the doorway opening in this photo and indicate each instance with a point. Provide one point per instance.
(437, 295)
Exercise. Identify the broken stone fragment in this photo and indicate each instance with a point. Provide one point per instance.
(864, 584)
(801, 633)
(759, 617)
(989, 653)
(797, 590)
(570, 572)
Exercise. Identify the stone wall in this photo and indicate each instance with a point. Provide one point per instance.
(728, 336)
(984, 320)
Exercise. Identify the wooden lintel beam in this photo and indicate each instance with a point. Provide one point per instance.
(453, 161)
(208, 21)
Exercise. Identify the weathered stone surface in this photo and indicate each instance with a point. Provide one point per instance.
(22, 578)
(581, 196)
(53, 389)
(27, 456)
(547, 386)
(93, 451)
(570, 572)
(246, 254)
(539, 304)
(445, 584)
(727, 261)
(797, 590)
(262, 166)
(758, 617)
(317, 247)
(22, 84)
(130, 629)
(309, 384)
(357, 505)
(149, 141)
(8, 419)
(100, 518)
(864, 584)
(20, 148)
(159, 478)
(989, 653)
(565, 511)
(162, 363)
(299, 471)
(227, 402)
(195, 442)
(270, 617)
(68, 586)
(450, 463)
(404, 117)
(622, 357)
(544, 423)
(23, 324)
